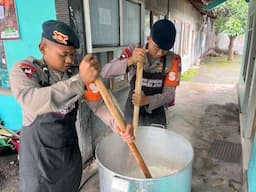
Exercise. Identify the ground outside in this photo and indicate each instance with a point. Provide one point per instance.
(206, 113)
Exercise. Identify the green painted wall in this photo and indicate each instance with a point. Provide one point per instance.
(252, 165)
(30, 15)
(10, 112)
(252, 170)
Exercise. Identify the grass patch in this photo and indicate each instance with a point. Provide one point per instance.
(222, 61)
(188, 74)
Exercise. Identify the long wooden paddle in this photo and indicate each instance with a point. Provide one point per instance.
(120, 123)
(136, 110)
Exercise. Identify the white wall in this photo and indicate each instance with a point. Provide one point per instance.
(201, 34)
(223, 42)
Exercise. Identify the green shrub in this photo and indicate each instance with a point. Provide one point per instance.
(189, 74)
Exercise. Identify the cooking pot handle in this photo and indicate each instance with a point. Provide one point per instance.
(119, 184)
(158, 125)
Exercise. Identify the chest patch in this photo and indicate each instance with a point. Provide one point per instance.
(65, 110)
(152, 83)
(27, 69)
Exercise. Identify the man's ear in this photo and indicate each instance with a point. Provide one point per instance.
(42, 46)
(148, 38)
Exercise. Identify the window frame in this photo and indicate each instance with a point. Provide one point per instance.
(88, 30)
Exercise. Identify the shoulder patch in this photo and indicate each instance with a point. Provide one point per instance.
(126, 53)
(27, 69)
(177, 57)
(178, 60)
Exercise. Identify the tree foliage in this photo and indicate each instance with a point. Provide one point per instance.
(232, 17)
(232, 20)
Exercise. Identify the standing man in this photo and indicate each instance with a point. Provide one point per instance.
(161, 73)
(48, 92)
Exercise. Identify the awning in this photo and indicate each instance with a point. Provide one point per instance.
(213, 4)
(216, 3)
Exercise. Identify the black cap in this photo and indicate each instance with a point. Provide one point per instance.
(61, 33)
(163, 33)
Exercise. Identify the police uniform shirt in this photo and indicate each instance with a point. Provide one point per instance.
(27, 81)
(119, 67)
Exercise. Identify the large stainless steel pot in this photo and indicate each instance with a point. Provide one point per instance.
(168, 156)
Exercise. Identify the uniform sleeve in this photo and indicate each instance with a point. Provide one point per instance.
(114, 68)
(118, 66)
(38, 100)
(161, 99)
(171, 81)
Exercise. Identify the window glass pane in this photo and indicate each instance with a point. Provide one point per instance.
(131, 22)
(102, 58)
(146, 25)
(4, 77)
(249, 39)
(161, 16)
(177, 47)
(104, 22)
(155, 18)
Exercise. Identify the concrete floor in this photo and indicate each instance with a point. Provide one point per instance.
(206, 110)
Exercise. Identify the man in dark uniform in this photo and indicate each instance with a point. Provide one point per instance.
(161, 73)
(50, 159)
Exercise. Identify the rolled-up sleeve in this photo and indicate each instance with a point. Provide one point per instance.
(114, 68)
(39, 100)
(160, 99)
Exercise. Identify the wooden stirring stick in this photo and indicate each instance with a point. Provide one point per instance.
(120, 123)
(136, 110)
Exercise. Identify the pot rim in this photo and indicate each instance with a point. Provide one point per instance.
(148, 179)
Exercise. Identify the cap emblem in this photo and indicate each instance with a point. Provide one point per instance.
(60, 37)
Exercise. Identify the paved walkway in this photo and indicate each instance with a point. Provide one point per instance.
(206, 111)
